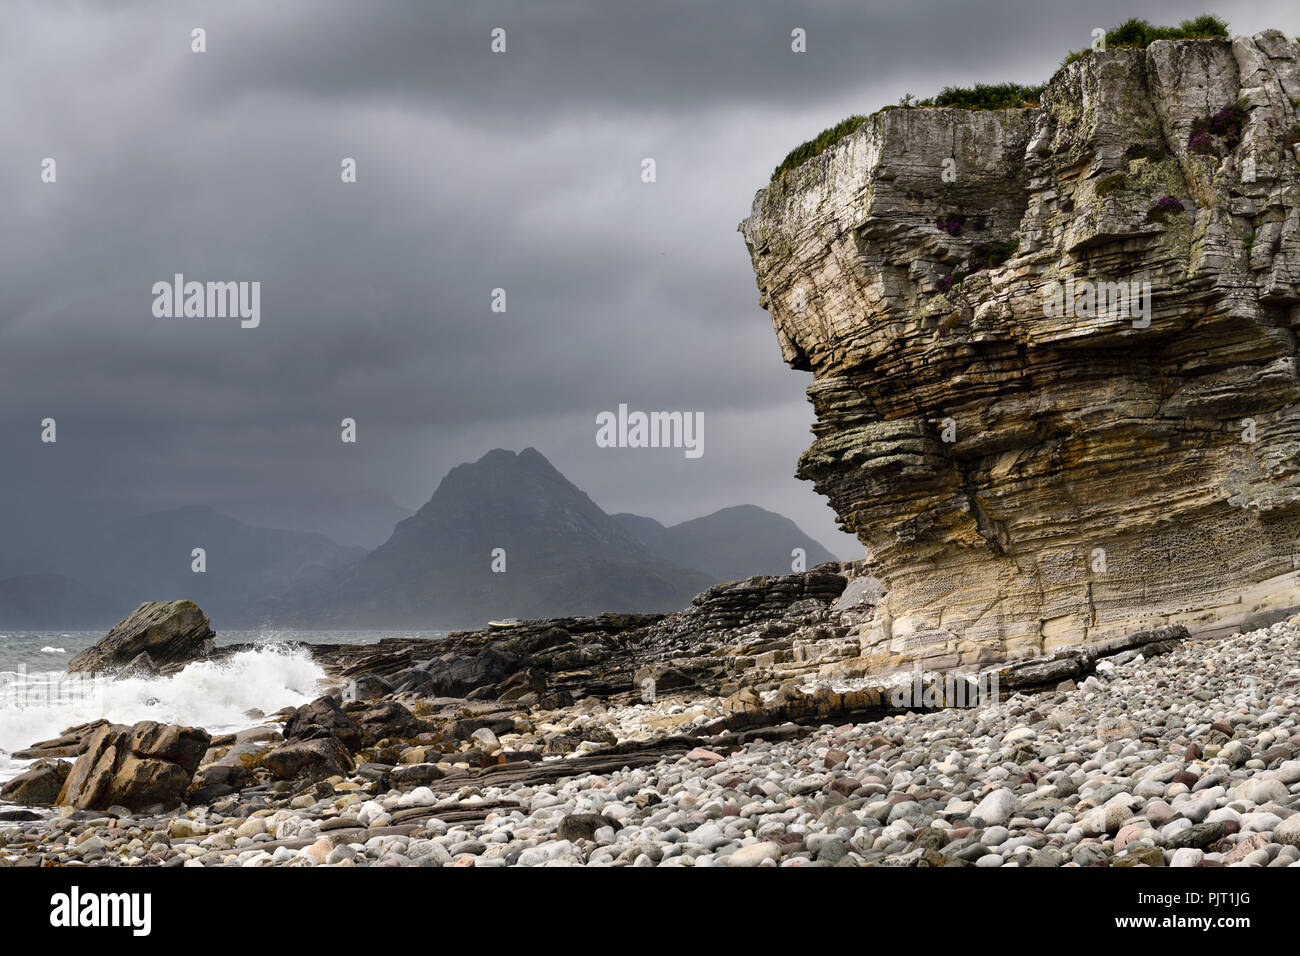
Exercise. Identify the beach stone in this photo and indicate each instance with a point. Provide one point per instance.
(38, 785)
(756, 854)
(709, 836)
(1199, 836)
(1090, 854)
(1105, 819)
(1247, 846)
(1287, 773)
(1159, 812)
(1144, 856)
(582, 826)
(1259, 821)
(323, 717)
(1288, 831)
(1260, 790)
(316, 759)
(1127, 834)
(997, 807)
(1235, 752)
(703, 755)
(184, 829)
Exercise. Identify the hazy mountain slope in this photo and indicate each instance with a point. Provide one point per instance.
(730, 544)
(149, 558)
(40, 601)
(562, 554)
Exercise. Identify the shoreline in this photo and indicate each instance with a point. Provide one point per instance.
(1173, 751)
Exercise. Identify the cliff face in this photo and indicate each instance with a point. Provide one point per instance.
(1022, 474)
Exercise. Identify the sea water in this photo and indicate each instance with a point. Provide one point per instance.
(39, 700)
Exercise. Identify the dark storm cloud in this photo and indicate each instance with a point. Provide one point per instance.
(476, 171)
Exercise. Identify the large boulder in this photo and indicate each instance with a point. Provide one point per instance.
(38, 785)
(137, 767)
(316, 759)
(389, 719)
(323, 717)
(169, 634)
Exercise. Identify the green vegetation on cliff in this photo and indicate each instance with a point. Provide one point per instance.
(985, 96)
(1139, 34)
(827, 137)
(1133, 33)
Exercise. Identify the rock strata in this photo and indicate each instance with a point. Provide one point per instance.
(159, 636)
(1024, 475)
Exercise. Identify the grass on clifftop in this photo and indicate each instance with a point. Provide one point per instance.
(801, 154)
(1134, 33)
(983, 96)
(1138, 34)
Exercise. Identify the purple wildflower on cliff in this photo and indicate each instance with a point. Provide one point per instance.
(1165, 206)
(1199, 142)
(949, 224)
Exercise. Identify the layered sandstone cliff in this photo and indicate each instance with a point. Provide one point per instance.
(1025, 476)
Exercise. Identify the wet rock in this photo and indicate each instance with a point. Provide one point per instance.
(170, 633)
(38, 785)
(323, 717)
(315, 759)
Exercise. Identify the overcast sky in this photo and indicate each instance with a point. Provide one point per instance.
(476, 170)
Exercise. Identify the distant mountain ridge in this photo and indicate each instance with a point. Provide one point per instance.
(561, 553)
(107, 571)
(730, 544)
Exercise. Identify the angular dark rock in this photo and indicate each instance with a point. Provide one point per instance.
(38, 785)
(388, 719)
(170, 633)
(136, 767)
(323, 717)
(316, 759)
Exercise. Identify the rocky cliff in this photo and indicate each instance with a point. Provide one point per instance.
(1025, 467)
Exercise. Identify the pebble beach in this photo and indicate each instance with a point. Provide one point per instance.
(1184, 759)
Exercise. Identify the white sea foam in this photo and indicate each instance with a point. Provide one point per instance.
(215, 695)
(53, 650)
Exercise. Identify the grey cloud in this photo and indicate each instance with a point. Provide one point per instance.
(475, 171)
